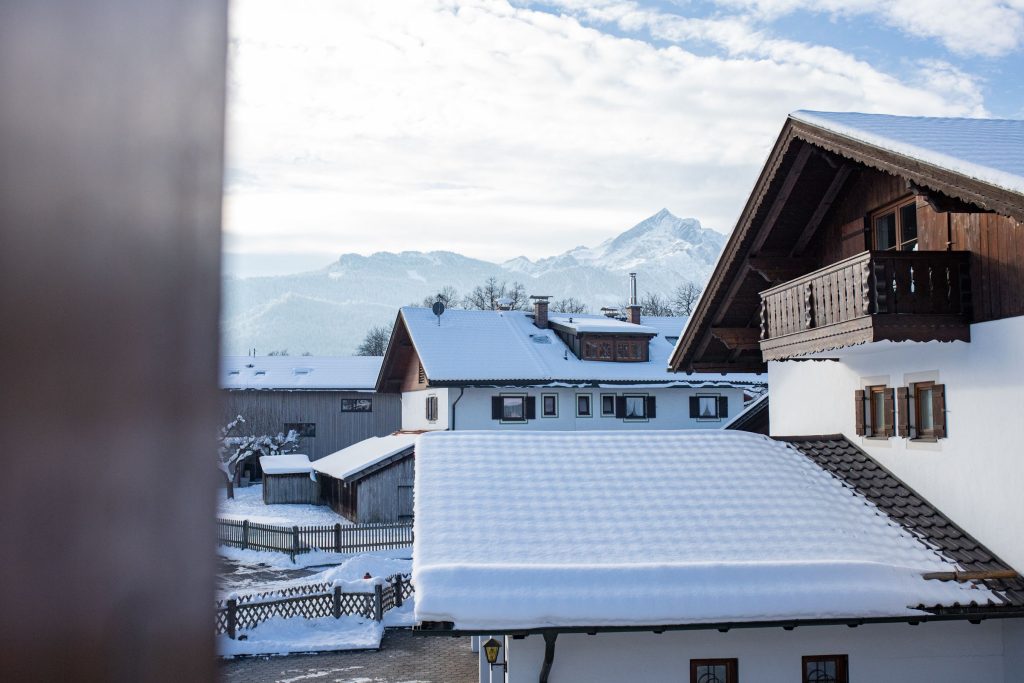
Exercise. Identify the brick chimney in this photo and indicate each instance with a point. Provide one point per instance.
(633, 310)
(540, 311)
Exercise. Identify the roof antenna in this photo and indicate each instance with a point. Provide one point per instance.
(438, 309)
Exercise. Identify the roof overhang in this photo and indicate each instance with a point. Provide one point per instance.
(806, 171)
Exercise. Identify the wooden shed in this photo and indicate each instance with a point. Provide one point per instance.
(289, 479)
(371, 481)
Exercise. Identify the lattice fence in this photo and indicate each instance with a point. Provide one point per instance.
(339, 538)
(311, 601)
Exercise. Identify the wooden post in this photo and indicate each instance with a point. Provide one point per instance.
(232, 617)
(337, 537)
(337, 602)
(398, 590)
(378, 602)
(245, 534)
(295, 542)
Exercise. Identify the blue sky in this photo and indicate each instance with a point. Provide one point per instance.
(497, 129)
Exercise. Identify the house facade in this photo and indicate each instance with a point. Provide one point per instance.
(545, 371)
(329, 401)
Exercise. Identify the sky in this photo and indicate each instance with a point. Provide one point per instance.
(495, 128)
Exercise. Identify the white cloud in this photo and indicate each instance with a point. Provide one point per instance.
(495, 130)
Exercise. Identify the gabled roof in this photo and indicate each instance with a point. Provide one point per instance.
(753, 418)
(355, 460)
(961, 164)
(658, 528)
(338, 373)
(505, 347)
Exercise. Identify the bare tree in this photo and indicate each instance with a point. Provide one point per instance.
(236, 448)
(485, 297)
(569, 305)
(278, 352)
(685, 297)
(375, 343)
(448, 295)
(654, 304)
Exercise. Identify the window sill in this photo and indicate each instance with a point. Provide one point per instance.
(924, 439)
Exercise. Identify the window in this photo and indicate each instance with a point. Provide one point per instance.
(598, 349)
(922, 411)
(713, 671)
(307, 430)
(709, 407)
(421, 377)
(357, 405)
(549, 405)
(515, 408)
(583, 405)
(636, 407)
(431, 408)
(894, 228)
(825, 669)
(607, 405)
(630, 349)
(875, 411)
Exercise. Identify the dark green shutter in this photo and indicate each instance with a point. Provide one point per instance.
(723, 406)
(495, 407)
(620, 406)
(531, 408)
(652, 410)
(694, 407)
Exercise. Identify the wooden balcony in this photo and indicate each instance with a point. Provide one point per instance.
(874, 296)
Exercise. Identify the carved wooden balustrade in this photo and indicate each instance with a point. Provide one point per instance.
(873, 296)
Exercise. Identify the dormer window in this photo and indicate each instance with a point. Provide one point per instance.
(614, 348)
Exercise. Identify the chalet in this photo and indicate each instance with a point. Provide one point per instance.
(329, 401)
(544, 370)
(700, 555)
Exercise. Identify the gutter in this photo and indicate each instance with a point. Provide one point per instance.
(462, 390)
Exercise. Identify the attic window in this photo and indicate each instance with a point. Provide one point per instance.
(540, 339)
(260, 373)
(422, 377)
(618, 348)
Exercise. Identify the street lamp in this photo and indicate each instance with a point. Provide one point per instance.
(491, 649)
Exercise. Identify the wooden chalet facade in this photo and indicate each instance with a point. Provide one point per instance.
(842, 243)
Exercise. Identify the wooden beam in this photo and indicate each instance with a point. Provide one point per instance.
(777, 269)
(971, 576)
(781, 198)
(738, 338)
(725, 368)
(838, 182)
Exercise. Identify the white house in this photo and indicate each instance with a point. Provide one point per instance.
(515, 370)
(880, 262)
(713, 555)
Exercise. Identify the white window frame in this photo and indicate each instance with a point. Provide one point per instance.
(543, 413)
(590, 404)
(603, 397)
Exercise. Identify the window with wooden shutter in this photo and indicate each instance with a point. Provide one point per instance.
(929, 411)
(939, 410)
(860, 408)
(421, 376)
(431, 408)
(889, 403)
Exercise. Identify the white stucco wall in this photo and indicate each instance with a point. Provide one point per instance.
(951, 652)
(473, 410)
(414, 409)
(976, 475)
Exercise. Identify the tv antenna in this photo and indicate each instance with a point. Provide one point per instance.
(438, 309)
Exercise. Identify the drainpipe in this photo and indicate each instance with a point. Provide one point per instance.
(462, 390)
(549, 655)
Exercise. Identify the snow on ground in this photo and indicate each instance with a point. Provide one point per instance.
(248, 504)
(379, 564)
(279, 636)
(313, 559)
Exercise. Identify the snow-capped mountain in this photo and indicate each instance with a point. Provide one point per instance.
(328, 311)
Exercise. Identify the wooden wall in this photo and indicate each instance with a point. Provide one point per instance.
(996, 242)
(268, 411)
(290, 488)
(378, 499)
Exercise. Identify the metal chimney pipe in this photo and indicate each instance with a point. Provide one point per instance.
(632, 289)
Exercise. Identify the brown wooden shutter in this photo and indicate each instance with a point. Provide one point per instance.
(889, 402)
(939, 410)
(859, 406)
(531, 408)
(723, 406)
(903, 412)
(620, 406)
(694, 407)
(652, 408)
(495, 407)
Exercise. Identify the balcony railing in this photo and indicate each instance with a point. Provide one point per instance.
(876, 295)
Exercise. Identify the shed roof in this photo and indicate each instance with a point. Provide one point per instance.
(351, 461)
(338, 373)
(605, 529)
(487, 347)
(287, 463)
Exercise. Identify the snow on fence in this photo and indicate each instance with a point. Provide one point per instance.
(339, 538)
(311, 601)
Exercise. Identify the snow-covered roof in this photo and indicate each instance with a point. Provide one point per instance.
(505, 346)
(287, 463)
(359, 456)
(349, 373)
(600, 324)
(651, 528)
(989, 150)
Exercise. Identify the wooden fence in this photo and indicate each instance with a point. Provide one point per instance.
(295, 540)
(310, 601)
